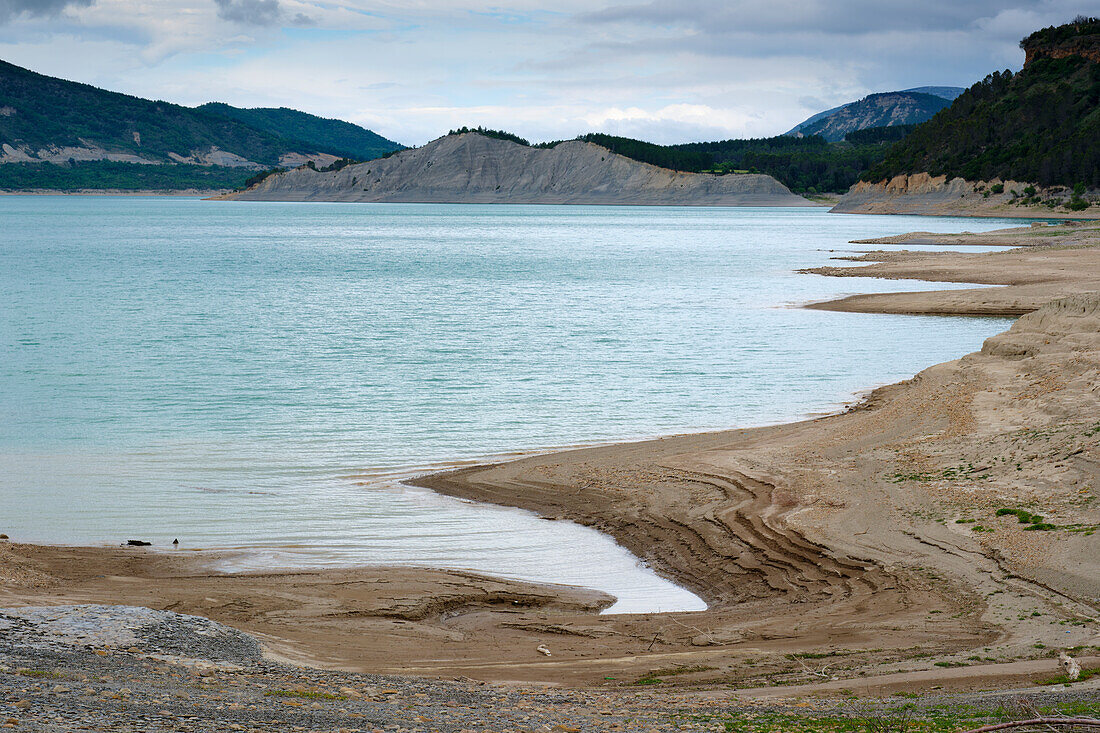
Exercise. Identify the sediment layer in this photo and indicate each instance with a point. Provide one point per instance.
(926, 195)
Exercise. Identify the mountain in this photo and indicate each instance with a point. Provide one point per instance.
(1040, 125)
(948, 93)
(337, 136)
(470, 167)
(92, 131)
(875, 110)
(1021, 144)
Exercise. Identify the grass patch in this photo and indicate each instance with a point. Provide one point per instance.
(951, 664)
(304, 694)
(1064, 680)
(815, 655)
(647, 680)
(1024, 516)
(40, 673)
(673, 671)
(856, 718)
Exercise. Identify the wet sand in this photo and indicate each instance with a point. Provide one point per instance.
(865, 546)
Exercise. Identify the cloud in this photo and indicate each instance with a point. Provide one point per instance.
(665, 70)
(250, 12)
(10, 9)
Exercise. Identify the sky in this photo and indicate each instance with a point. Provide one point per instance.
(667, 71)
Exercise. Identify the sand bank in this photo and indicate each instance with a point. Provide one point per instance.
(1052, 262)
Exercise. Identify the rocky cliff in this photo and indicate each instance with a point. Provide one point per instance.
(472, 168)
(1079, 38)
(926, 195)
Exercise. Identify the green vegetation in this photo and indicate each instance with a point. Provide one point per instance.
(299, 129)
(1023, 515)
(304, 694)
(42, 112)
(874, 135)
(262, 175)
(1035, 521)
(1081, 27)
(103, 174)
(804, 165)
(1040, 125)
(1086, 674)
(861, 717)
(40, 674)
(648, 680)
(495, 134)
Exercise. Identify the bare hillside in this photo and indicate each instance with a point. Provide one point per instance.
(472, 168)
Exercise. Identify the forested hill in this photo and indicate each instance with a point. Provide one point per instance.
(803, 164)
(61, 134)
(1040, 125)
(340, 137)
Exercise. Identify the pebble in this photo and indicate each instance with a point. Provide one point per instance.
(210, 678)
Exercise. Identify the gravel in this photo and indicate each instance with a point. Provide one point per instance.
(119, 668)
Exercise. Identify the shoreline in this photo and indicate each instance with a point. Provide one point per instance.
(179, 193)
(835, 536)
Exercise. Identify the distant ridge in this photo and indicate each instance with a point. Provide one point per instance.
(473, 168)
(885, 109)
(91, 135)
(334, 136)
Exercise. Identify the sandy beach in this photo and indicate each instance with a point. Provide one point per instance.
(940, 534)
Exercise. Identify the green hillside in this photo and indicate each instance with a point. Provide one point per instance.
(335, 136)
(40, 116)
(1041, 125)
(803, 164)
(45, 111)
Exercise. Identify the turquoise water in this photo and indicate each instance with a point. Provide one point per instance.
(259, 375)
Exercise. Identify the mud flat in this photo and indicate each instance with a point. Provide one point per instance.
(940, 534)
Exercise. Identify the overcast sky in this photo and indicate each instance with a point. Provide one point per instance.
(661, 70)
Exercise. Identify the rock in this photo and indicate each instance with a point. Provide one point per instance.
(3, 537)
(21, 704)
(1069, 665)
(138, 543)
(541, 649)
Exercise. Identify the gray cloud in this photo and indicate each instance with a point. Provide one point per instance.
(879, 44)
(250, 12)
(10, 9)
